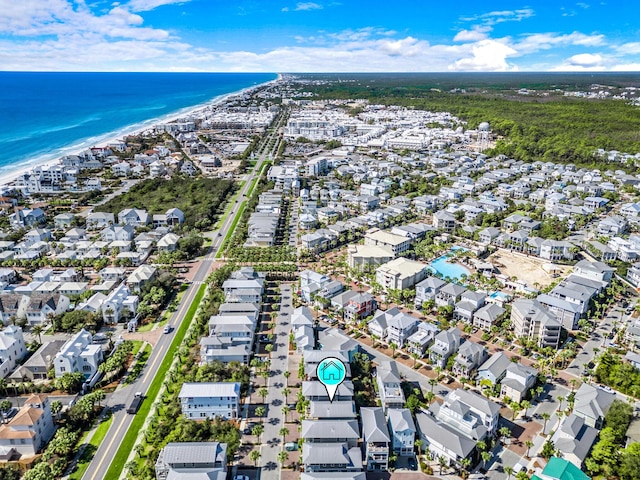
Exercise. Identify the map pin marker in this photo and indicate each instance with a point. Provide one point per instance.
(331, 372)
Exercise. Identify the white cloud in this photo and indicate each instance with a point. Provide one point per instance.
(304, 6)
(585, 60)
(146, 5)
(630, 48)
(499, 16)
(545, 41)
(477, 33)
(583, 5)
(486, 55)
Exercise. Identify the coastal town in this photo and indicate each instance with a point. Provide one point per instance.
(485, 308)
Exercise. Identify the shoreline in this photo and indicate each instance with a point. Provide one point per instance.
(8, 178)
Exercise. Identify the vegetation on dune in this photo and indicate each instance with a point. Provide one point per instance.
(199, 198)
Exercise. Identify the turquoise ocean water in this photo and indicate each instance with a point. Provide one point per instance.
(44, 115)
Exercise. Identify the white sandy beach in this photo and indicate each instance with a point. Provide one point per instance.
(7, 178)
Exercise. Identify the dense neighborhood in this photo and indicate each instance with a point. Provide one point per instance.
(485, 308)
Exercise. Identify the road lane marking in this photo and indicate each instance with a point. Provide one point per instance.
(95, 471)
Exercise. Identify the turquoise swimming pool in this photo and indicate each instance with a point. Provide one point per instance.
(446, 269)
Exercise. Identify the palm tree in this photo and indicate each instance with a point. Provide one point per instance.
(486, 456)
(283, 456)
(573, 382)
(286, 375)
(443, 462)
(286, 392)
(284, 431)
(481, 445)
(528, 444)
(545, 416)
(465, 463)
(433, 382)
(504, 432)
(393, 346)
(415, 357)
(285, 412)
(254, 455)
(418, 444)
(509, 471)
(560, 399)
(257, 431)
(260, 411)
(139, 449)
(525, 404)
(37, 330)
(429, 396)
(263, 392)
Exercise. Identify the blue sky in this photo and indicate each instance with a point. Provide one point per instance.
(319, 35)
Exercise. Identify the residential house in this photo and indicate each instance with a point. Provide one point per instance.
(37, 366)
(470, 356)
(206, 460)
(449, 294)
(224, 350)
(560, 469)
(210, 400)
(100, 220)
(168, 243)
(494, 369)
(518, 380)
(445, 344)
(574, 439)
(134, 217)
(396, 243)
(592, 404)
(359, 257)
(470, 301)
(375, 438)
(613, 225)
(119, 305)
(427, 290)
(29, 431)
(487, 316)
(422, 338)
(115, 233)
(401, 273)
(331, 457)
(12, 349)
(43, 305)
(331, 432)
(389, 385)
(360, 306)
(443, 220)
(532, 320)
(403, 431)
(79, 354)
(488, 234)
(140, 277)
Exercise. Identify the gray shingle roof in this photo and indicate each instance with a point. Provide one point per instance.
(374, 426)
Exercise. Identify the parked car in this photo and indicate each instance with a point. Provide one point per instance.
(412, 463)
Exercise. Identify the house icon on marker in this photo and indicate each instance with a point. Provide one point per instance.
(331, 372)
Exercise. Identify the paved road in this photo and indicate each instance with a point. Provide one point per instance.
(275, 400)
(122, 397)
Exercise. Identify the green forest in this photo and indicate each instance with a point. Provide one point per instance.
(200, 199)
(554, 128)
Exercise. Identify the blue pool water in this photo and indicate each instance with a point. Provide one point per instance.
(501, 295)
(446, 269)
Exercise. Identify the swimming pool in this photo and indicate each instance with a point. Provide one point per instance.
(446, 269)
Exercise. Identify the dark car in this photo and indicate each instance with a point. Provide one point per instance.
(412, 463)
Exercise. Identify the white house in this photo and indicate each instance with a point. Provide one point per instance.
(78, 354)
(12, 349)
(403, 431)
(29, 430)
(211, 399)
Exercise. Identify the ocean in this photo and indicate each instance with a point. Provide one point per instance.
(44, 115)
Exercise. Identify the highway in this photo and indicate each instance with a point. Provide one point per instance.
(121, 398)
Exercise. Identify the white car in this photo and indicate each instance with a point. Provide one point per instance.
(241, 477)
(167, 329)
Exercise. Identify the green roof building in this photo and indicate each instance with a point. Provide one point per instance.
(560, 469)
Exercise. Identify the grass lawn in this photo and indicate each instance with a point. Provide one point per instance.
(129, 440)
(139, 365)
(90, 449)
(232, 200)
(136, 346)
(231, 230)
(147, 327)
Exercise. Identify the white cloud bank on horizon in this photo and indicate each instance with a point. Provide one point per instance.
(63, 35)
